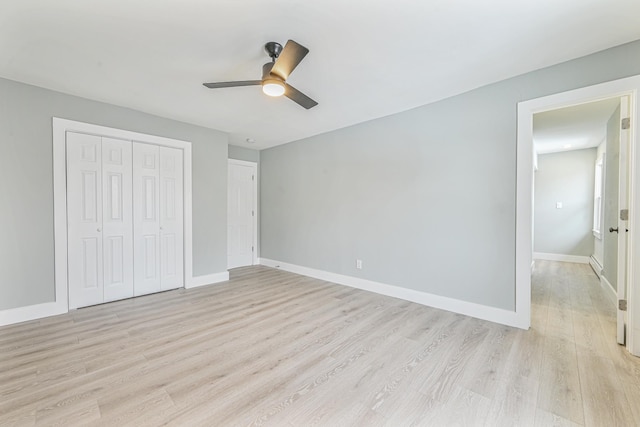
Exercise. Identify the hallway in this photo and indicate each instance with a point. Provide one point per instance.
(585, 372)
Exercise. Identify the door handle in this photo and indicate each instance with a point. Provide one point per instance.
(611, 229)
(98, 229)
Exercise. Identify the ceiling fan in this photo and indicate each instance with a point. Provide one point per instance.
(276, 73)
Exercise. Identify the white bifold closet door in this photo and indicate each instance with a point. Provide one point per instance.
(158, 218)
(100, 223)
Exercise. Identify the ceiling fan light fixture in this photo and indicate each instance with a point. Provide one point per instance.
(273, 87)
(276, 73)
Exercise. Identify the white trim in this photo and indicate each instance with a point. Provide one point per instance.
(187, 221)
(629, 86)
(604, 282)
(595, 265)
(31, 312)
(633, 246)
(483, 312)
(256, 207)
(561, 257)
(60, 127)
(524, 215)
(243, 162)
(209, 279)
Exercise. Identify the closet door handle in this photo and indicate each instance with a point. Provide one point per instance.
(611, 229)
(98, 229)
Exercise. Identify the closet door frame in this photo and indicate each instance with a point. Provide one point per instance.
(60, 129)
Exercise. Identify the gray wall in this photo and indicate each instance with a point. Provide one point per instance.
(611, 171)
(26, 185)
(425, 198)
(567, 178)
(242, 153)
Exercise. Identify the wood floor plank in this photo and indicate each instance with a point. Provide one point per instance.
(560, 323)
(408, 377)
(588, 333)
(442, 382)
(547, 419)
(514, 403)
(422, 367)
(344, 363)
(463, 407)
(604, 399)
(358, 385)
(415, 409)
(526, 356)
(132, 410)
(632, 391)
(560, 391)
(274, 348)
(483, 373)
(71, 415)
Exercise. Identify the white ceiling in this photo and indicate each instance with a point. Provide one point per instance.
(368, 58)
(572, 128)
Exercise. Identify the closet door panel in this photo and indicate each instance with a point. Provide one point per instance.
(117, 219)
(146, 218)
(171, 218)
(84, 220)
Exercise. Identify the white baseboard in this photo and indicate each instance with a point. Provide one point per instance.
(596, 266)
(492, 314)
(604, 282)
(209, 279)
(561, 257)
(31, 312)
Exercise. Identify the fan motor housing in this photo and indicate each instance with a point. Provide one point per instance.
(266, 70)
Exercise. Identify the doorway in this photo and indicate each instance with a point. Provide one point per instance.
(242, 214)
(577, 176)
(525, 190)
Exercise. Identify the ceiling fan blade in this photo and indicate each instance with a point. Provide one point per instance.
(289, 59)
(300, 98)
(233, 84)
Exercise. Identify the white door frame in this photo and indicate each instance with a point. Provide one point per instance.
(60, 128)
(524, 196)
(253, 165)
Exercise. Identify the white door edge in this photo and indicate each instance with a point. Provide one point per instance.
(629, 86)
(623, 188)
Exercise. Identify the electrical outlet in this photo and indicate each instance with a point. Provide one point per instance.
(558, 205)
(359, 264)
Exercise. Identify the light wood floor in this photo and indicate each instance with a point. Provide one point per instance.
(274, 348)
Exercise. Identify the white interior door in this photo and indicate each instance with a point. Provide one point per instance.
(84, 219)
(241, 213)
(117, 219)
(623, 205)
(171, 218)
(146, 218)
